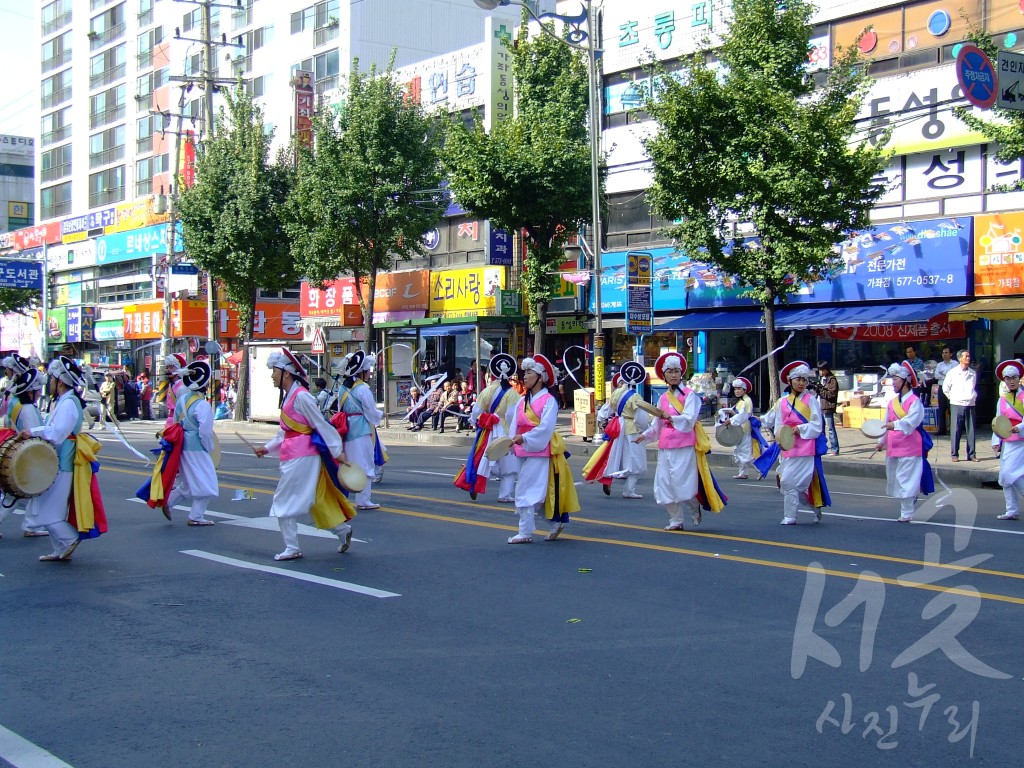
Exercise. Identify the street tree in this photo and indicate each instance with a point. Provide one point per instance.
(368, 188)
(19, 300)
(231, 216)
(532, 172)
(754, 142)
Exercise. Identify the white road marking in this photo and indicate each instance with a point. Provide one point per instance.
(345, 585)
(916, 522)
(422, 472)
(771, 487)
(22, 753)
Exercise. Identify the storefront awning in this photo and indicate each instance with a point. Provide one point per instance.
(792, 318)
(1003, 308)
(715, 321)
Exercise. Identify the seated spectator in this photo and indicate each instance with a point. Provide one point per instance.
(417, 403)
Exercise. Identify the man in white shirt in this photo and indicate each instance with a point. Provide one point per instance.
(944, 367)
(960, 386)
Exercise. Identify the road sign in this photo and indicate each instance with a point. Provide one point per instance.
(977, 76)
(319, 344)
(1010, 69)
(21, 274)
(639, 312)
(638, 267)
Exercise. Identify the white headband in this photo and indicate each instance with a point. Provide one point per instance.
(529, 364)
(800, 372)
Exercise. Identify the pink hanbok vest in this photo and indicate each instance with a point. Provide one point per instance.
(524, 425)
(295, 444)
(792, 418)
(1006, 409)
(670, 437)
(899, 444)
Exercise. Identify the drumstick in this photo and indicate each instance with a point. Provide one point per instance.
(251, 445)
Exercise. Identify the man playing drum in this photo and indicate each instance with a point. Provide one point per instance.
(22, 413)
(800, 469)
(906, 444)
(488, 416)
(197, 480)
(72, 508)
(356, 400)
(682, 479)
(544, 482)
(1011, 447)
(308, 446)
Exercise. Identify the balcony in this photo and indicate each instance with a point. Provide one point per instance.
(106, 157)
(106, 116)
(241, 65)
(57, 172)
(324, 35)
(59, 23)
(145, 59)
(55, 211)
(146, 17)
(327, 84)
(106, 197)
(143, 187)
(142, 146)
(52, 137)
(242, 18)
(57, 97)
(99, 39)
(107, 77)
(59, 60)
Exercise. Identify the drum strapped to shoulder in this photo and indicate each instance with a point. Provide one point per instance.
(28, 466)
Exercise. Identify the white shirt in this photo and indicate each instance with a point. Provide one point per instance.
(943, 368)
(960, 386)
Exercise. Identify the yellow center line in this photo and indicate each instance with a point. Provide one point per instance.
(677, 550)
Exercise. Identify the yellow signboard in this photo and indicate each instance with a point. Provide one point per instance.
(465, 292)
(134, 215)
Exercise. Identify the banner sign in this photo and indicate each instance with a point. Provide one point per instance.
(499, 246)
(21, 274)
(85, 224)
(999, 254)
(465, 292)
(81, 322)
(142, 243)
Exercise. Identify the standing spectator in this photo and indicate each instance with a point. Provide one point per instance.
(131, 398)
(947, 364)
(107, 392)
(961, 388)
(828, 395)
(472, 378)
(918, 365)
(464, 401)
(145, 395)
(323, 394)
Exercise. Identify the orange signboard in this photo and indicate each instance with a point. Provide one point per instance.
(273, 320)
(999, 254)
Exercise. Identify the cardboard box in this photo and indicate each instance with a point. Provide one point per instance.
(583, 401)
(853, 416)
(584, 424)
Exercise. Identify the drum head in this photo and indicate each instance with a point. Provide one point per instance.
(785, 436)
(215, 453)
(1002, 426)
(498, 448)
(28, 467)
(873, 428)
(352, 477)
(728, 435)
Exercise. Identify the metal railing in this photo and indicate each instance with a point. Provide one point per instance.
(327, 84)
(324, 35)
(99, 39)
(52, 137)
(56, 61)
(57, 97)
(106, 116)
(107, 76)
(57, 172)
(107, 196)
(145, 59)
(144, 145)
(146, 17)
(61, 21)
(55, 210)
(106, 157)
(143, 187)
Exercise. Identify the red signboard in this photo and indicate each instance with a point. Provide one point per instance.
(304, 102)
(33, 237)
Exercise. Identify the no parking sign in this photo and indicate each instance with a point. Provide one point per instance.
(977, 76)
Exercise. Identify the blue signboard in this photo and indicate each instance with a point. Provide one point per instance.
(95, 220)
(184, 268)
(668, 294)
(21, 274)
(137, 244)
(499, 246)
(81, 322)
(639, 312)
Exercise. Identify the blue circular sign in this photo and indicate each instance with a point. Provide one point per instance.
(939, 23)
(432, 239)
(977, 76)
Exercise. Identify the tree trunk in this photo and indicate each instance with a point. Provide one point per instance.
(538, 332)
(774, 390)
(245, 321)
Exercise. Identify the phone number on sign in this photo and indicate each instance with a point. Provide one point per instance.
(890, 282)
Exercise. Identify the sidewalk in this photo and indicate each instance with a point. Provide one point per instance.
(854, 459)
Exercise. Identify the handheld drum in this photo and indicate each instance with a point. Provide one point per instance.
(28, 467)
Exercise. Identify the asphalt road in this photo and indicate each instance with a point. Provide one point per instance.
(434, 643)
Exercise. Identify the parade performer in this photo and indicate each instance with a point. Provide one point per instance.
(622, 454)
(14, 366)
(906, 444)
(72, 508)
(488, 417)
(609, 428)
(544, 481)
(683, 479)
(800, 469)
(361, 417)
(742, 415)
(309, 448)
(22, 413)
(1011, 449)
(185, 470)
(172, 389)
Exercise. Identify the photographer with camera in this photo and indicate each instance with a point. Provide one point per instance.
(827, 390)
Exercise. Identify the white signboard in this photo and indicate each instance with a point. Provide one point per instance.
(1009, 74)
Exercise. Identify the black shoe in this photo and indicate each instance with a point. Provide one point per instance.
(607, 489)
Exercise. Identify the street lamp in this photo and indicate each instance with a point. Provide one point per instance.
(581, 40)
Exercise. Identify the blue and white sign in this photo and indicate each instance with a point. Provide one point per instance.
(639, 310)
(977, 76)
(137, 244)
(184, 268)
(95, 220)
(21, 274)
(499, 246)
(432, 239)
(81, 322)
(668, 294)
